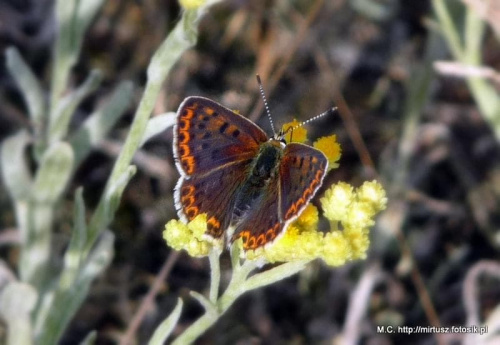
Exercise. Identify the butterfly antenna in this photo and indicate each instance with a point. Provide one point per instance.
(265, 103)
(331, 110)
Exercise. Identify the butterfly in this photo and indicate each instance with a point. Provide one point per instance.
(249, 186)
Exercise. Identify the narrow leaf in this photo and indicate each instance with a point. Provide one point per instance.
(166, 327)
(89, 339)
(15, 171)
(158, 124)
(61, 116)
(66, 301)
(273, 275)
(99, 123)
(73, 255)
(29, 85)
(54, 173)
(17, 300)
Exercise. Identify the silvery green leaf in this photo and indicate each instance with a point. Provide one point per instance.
(15, 171)
(274, 274)
(67, 299)
(164, 330)
(158, 124)
(54, 172)
(73, 18)
(17, 300)
(205, 302)
(73, 255)
(29, 85)
(98, 124)
(89, 339)
(115, 191)
(6, 275)
(61, 115)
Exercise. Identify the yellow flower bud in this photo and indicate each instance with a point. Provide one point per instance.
(298, 135)
(331, 148)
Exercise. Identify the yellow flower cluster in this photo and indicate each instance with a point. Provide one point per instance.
(328, 145)
(352, 209)
(190, 237)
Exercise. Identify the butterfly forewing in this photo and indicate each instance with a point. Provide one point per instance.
(208, 136)
(213, 148)
(302, 170)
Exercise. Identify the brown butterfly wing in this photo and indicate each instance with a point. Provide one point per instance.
(300, 174)
(262, 223)
(302, 170)
(208, 136)
(213, 193)
(213, 148)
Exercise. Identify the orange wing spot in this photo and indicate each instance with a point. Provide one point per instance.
(187, 190)
(189, 112)
(307, 193)
(213, 227)
(251, 244)
(244, 237)
(188, 164)
(208, 111)
(261, 240)
(187, 200)
(299, 203)
(271, 234)
(184, 150)
(314, 160)
(184, 124)
(191, 212)
(213, 222)
(291, 211)
(183, 137)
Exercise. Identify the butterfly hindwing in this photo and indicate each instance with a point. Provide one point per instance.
(261, 224)
(213, 194)
(301, 171)
(208, 136)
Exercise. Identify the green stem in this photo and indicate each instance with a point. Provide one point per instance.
(233, 291)
(214, 274)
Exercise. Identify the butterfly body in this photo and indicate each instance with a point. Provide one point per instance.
(244, 181)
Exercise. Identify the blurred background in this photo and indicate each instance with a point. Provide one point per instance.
(413, 113)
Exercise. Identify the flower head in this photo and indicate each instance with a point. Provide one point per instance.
(297, 135)
(331, 148)
(190, 237)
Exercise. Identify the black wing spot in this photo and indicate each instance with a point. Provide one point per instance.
(205, 146)
(215, 114)
(205, 118)
(201, 126)
(301, 162)
(207, 135)
(223, 128)
(236, 133)
(215, 153)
